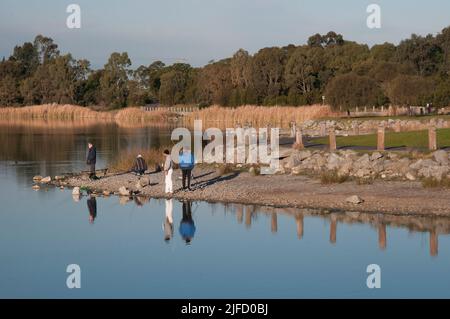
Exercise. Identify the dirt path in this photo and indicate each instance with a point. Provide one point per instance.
(288, 191)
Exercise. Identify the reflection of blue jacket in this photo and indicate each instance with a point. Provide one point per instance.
(187, 229)
(187, 160)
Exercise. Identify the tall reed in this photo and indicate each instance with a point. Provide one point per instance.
(259, 116)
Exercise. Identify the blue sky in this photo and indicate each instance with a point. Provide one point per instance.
(202, 30)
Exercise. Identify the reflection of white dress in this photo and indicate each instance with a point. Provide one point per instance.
(168, 221)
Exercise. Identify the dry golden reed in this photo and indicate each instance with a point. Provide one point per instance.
(259, 116)
(74, 112)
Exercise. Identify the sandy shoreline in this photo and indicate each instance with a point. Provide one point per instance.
(392, 197)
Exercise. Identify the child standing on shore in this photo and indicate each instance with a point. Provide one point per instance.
(168, 170)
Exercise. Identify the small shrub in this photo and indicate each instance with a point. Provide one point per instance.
(225, 169)
(431, 182)
(126, 159)
(332, 177)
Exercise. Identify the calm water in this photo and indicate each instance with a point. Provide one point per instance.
(235, 251)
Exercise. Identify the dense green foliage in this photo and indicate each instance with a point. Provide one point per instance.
(348, 74)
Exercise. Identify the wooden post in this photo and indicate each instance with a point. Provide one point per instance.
(274, 223)
(380, 139)
(332, 134)
(323, 128)
(432, 142)
(299, 140)
(299, 222)
(382, 236)
(355, 128)
(293, 129)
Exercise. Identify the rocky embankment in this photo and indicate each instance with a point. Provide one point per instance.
(377, 165)
(355, 126)
(391, 183)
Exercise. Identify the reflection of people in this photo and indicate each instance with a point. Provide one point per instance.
(186, 164)
(168, 170)
(187, 226)
(140, 166)
(92, 207)
(91, 159)
(168, 221)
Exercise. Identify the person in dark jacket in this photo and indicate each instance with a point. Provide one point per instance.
(187, 226)
(91, 159)
(92, 207)
(140, 166)
(186, 163)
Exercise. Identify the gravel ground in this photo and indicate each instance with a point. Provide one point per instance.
(286, 191)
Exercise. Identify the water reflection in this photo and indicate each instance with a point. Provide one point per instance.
(168, 220)
(92, 207)
(435, 226)
(187, 225)
(56, 147)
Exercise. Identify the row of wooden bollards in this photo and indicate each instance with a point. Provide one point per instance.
(432, 139)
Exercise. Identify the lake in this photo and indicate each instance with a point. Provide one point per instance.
(171, 249)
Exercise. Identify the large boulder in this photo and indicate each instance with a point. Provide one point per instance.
(355, 200)
(441, 157)
(144, 181)
(46, 180)
(296, 158)
(123, 191)
(375, 156)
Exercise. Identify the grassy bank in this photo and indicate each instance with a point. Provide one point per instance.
(259, 116)
(413, 139)
(126, 159)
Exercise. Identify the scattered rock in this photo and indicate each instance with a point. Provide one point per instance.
(46, 180)
(123, 191)
(410, 176)
(106, 193)
(59, 178)
(37, 178)
(355, 199)
(375, 156)
(144, 181)
(76, 191)
(138, 186)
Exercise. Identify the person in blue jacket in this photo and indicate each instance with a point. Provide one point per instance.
(187, 226)
(186, 164)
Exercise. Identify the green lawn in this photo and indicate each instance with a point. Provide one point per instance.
(414, 139)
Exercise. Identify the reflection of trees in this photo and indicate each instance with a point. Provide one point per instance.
(56, 147)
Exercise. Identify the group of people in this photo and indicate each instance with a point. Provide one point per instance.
(186, 164)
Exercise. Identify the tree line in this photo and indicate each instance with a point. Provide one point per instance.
(346, 73)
